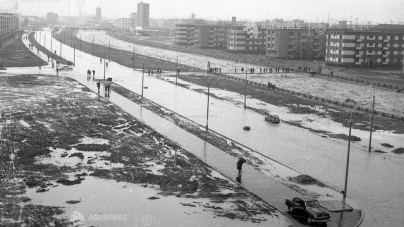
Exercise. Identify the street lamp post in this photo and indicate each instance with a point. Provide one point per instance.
(245, 89)
(105, 56)
(349, 150)
(51, 42)
(178, 71)
(207, 111)
(74, 54)
(93, 45)
(371, 123)
(142, 78)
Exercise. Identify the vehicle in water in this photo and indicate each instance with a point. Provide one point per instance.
(272, 118)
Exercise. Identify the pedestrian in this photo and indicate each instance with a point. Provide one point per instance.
(106, 64)
(235, 70)
(98, 86)
(240, 165)
(57, 71)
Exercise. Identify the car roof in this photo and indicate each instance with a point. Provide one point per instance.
(306, 198)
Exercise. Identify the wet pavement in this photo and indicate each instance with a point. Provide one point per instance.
(319, 157)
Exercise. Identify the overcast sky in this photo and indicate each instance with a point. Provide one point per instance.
(378, 11)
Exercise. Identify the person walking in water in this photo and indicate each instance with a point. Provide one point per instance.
(240, 163)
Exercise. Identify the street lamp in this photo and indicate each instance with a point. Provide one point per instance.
(142, 79)
(245, 89)
(349, 148)
(373, 110)
(207, 111)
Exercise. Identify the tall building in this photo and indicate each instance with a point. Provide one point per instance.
(98, 14)
(143, 15)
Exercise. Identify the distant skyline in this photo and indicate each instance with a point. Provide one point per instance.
(312, 10)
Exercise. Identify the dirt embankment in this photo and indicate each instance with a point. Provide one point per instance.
(382, 75)
(299, 105)
(125, 58)
(46, 51)
(35, 125)
(16, 54)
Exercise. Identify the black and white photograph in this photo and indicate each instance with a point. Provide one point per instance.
(191, 113)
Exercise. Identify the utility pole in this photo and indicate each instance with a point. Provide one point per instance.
(134, 57)
(109, 51)
(51, 41)
(74, 54)
(207, 111)
(60, 54)
(178, 71)
(93, 45)
(371, 123)
(245, 89)
(142, 79)
(349, 149)
(105, 56)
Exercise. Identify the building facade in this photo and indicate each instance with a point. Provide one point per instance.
(126, 23)
(143, 15)
(211, 36)
(302, 43)
(184, 34)
(365, 48)
(8, 23)
(98, 14)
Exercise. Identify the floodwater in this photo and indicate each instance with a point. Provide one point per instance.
(375, 181)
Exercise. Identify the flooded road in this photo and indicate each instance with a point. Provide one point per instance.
(374, 182)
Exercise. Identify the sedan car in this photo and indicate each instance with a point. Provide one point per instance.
(309, 208)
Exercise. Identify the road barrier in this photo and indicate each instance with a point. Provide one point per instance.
(395, 87)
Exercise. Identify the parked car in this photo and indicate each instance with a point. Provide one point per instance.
(308, 208)
(272, 118)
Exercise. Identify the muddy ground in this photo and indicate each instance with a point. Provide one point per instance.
(299, 105)
(41, 114)
(387, 75)
(16, 54)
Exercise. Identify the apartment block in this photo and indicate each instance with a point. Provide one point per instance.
(211, 36)
(8, 23)
(365, 48)
(185, 34)
(302, 43)
(126, 23)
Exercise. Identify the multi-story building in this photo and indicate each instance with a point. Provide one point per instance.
(380, 47)
(143, 14)
(211, 36)
(98, 14)
(184, 34)
(299, 43)
(126, 23)
(8, 23)
(52, 18)
(248, 37)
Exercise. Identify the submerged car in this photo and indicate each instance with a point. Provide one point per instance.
(308, 208)
(272, 118)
